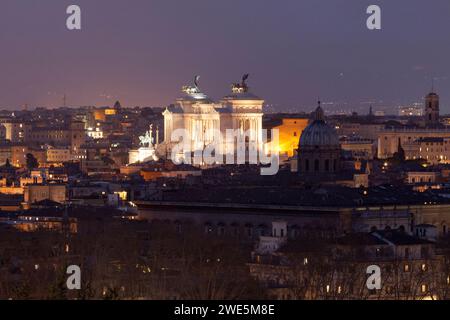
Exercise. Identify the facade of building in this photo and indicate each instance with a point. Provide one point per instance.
(77, 138)
(14, 130)
(361, 149)
(426, 142)
(72, 137)
(415, 110)
(434, 150)
(422, 177)
(50, 135)
(388, 141)
(289, 132)
(19, 155)
(58, 155)
(203, 119)
(39, 192)
(364, 129)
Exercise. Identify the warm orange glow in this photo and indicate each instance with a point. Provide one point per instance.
(110, 112)
(99, 115)
(289, 133)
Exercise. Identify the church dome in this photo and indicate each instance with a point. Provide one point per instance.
(319, 133)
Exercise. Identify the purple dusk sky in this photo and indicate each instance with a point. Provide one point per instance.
(142, 51)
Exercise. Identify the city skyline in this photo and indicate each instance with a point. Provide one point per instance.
(186, 153)
(142, 54)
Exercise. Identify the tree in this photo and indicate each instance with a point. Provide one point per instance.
(31, 161)
(58, 289)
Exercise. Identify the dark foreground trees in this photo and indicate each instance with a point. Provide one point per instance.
(125, 260)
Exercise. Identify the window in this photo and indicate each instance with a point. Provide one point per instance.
(327, 165)
(316, 165)
(423, 288)
(378, 252)
(406, 268)
(208, 228)
(306, 165)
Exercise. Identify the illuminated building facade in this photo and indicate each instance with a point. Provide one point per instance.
(289, 132)
(14, 131)
(429, 141)
(58, 155)
(435, 150)
(201, 117)
(18, 155)
(416, 110)
(101, 114)
(410, 139)
(147, 150)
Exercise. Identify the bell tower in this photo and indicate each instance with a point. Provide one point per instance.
(432, 109)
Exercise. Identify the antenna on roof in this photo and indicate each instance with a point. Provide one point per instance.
(432, 84)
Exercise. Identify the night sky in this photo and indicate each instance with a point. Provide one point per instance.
(142, 51)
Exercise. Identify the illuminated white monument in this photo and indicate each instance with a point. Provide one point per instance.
(147, 150)
(201, 117)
